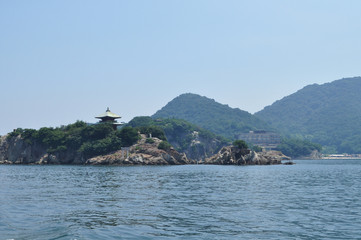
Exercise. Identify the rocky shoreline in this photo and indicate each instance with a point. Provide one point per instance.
(234, 156)
(142, 153)
(15, 150)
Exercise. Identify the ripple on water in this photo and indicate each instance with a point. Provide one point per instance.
(309, 200)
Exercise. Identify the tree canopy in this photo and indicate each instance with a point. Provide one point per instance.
(90, 140)
(295, 148)
(240, 144)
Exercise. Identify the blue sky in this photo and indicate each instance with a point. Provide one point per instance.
(62, 61)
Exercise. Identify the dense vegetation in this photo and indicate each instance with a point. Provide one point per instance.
(240, 144)
(90, 140)
(208, 114)
(221, 120)
(180, 134)
(164, 145)
(295, 148)
(328, 114)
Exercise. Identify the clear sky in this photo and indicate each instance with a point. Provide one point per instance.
(67, 60)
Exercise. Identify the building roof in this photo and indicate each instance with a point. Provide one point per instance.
(108, 114)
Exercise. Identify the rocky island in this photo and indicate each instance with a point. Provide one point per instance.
(146, 151)
(143, 141)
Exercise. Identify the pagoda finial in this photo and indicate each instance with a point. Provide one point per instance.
(108, 109)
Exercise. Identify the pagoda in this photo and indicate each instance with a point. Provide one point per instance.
(109, 117)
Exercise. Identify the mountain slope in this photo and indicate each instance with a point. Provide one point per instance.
(329, 114)
(213, 116)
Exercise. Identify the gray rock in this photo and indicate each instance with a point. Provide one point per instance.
(233, 156)
(142, 153)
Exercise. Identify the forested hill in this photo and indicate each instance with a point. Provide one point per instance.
(213, 116)
(329, 114)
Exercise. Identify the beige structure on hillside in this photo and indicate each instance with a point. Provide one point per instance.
(265, 139)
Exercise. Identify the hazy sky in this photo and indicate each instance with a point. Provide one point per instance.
(62, 61)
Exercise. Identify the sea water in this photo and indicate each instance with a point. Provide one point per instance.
(313, 199)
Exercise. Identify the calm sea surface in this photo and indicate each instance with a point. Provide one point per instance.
(319, 199)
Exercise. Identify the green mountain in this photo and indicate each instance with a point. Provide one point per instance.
(207, 113)
(328, 114)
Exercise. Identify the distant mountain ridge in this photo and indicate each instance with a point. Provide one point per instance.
(211, 115)
(329, 114)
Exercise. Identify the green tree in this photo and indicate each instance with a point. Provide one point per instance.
(101, 146)
(155, 131)
(164, 145)
(149, 140)
(97, 131)
(240, 144)
(129, 136)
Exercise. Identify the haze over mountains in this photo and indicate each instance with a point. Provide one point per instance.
(211, 115)
(328, 114)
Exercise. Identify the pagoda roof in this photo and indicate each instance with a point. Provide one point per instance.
(108, 114)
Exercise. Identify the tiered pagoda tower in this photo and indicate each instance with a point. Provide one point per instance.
(109, 117)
